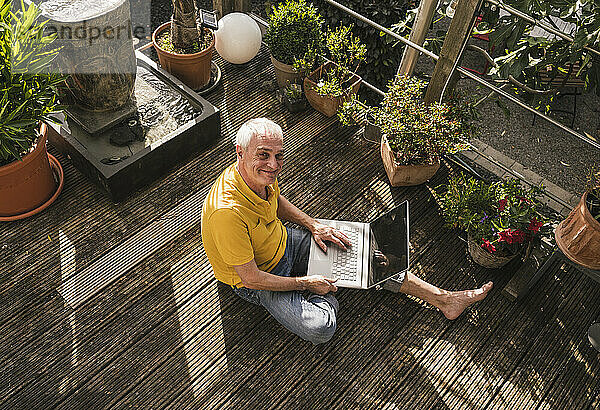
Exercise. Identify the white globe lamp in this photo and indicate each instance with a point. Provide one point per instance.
(238, 38)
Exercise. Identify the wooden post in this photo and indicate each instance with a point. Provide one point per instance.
(458, 33)
(417, 36)
(224, 7)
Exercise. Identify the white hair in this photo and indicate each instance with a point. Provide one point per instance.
(256, 127)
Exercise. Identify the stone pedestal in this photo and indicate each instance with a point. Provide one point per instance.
(97, 51)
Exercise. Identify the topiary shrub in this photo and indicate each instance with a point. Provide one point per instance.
(294, 28)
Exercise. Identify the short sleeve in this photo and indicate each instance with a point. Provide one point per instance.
(230, 236)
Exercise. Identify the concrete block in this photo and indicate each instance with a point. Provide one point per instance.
(479, 144)
(489, 166)
(143, 157)
(557, 191)
(527, 174)
(500, 157)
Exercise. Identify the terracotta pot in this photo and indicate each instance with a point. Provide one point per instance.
(483, 258)
(285, 74)
(27, 184)
(578, 236)
(405, 175)
(192, 69)
(326, 104)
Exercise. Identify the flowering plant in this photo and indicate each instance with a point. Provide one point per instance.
(417, 133)
(502, 217)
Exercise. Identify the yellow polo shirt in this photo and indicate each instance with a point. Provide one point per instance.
(238, 226)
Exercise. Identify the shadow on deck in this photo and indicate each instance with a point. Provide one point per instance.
(163, 333)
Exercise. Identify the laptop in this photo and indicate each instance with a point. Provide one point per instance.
(361, 267)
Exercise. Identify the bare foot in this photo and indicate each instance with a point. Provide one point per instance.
(458, 301)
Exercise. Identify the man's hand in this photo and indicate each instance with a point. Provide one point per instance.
(322, 232)
(318, 284)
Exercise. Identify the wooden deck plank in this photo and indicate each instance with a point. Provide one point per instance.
(547, 355)
(118, 315)
(404, 357)
(499, 353)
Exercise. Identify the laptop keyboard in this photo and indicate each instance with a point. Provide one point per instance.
(345, 263)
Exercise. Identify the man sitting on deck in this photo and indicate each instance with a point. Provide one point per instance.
(266, 263)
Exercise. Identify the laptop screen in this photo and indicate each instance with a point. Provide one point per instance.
(390, 237)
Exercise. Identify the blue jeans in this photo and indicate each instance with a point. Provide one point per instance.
(308, 315)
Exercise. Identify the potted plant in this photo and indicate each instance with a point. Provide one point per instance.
(414, 135)
(501, 218)
(184, 49)
(335, 81)
(293, 98)
(294, 27)
(578, 236)
(27, 181)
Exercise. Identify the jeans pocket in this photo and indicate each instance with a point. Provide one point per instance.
(249, 295)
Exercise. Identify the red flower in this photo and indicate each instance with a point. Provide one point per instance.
(502, 204)
(523, 199)
(509, 236)
(519, 236)
(506, 236)
(487, 245)
(534, 225)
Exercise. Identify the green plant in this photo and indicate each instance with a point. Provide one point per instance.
(593, 182)
(294, 27)
(502, 217)
(417, 133)
(383, 58)
(526, 55)
(346, 52)
(593, 190)
(28, 91)
(293, 92)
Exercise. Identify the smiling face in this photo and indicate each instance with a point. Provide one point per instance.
(260, 163)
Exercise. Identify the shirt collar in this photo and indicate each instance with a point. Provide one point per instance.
(249, 193)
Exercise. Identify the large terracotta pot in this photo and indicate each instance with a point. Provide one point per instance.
(327, 104)
(27, 184)
(192, 69)
(405, 175)
(578, 236)
(285, 73)
(483, 258)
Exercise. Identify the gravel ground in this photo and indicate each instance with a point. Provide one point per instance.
(544, 148)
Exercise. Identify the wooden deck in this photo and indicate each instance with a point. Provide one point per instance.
(115, 306)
